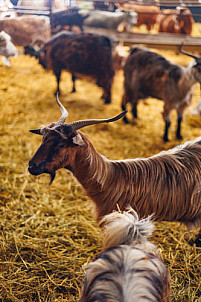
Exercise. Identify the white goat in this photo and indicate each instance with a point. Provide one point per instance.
(7, 48)
(130, 268)
(110, 20)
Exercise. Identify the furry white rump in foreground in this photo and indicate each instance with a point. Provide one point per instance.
(129, 268)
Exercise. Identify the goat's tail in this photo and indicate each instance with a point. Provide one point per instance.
(125, 228)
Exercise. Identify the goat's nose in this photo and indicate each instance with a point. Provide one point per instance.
(36, 169)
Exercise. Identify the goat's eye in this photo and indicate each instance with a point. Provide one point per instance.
(61, 145)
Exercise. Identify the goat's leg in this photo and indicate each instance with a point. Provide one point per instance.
(128, 98)
(73, 80)
(167, 126)
(81, 28)
(180, 112)
(106, 85)
(166, 117)
(198, 239)
(134, 109)
(178, 132)
(148, 27)
(58, 76)
(123, 106)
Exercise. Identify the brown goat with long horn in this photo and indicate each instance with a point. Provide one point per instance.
(167, 184)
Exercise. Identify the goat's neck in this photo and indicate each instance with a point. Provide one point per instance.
(189, 78)
(92, 170)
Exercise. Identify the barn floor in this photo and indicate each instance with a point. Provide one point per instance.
(48, 234)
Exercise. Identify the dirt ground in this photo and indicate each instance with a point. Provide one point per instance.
(48, 234)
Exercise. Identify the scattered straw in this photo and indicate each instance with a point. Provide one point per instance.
(47, 234)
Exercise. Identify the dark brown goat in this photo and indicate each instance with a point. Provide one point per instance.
(167, 184)
(148, 74)
(83, 55)
(71, 19)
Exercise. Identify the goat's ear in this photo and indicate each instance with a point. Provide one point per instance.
(77, 140)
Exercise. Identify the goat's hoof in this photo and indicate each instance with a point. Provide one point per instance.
(198, 241)
(73, 91)
(125, 120)
(107, 101)
(165, 139)
(179, 137)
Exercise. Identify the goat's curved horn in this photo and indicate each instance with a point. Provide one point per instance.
(188, 54)
(64, 112)
(80, 124)
(36, 131)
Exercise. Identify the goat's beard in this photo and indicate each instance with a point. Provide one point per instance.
(52, 177)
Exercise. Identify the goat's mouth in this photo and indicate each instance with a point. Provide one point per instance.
(38, 170)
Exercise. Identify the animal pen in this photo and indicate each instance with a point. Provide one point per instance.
(49, 233)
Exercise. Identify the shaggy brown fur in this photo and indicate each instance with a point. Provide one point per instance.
(167, 184)
(83, 55)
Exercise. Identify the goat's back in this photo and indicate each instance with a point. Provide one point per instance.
(26, 29)
(150, 74)
(126, 273)
(86, 54)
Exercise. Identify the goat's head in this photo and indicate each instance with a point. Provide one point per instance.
(196, 64)
(60, 142)
(34, 51)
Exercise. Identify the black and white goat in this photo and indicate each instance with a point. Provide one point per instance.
(129, 268)
(148, 74)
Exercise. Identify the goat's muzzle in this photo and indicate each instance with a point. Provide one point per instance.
(35, 169)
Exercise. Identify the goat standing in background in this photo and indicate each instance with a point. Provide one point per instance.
(147, 14)
(71, 19)
(129, 268)
(110, 20)
(167, 184)
(148, 74)
(25, 30)
(83, 55)
(178, 21)
(7, 48)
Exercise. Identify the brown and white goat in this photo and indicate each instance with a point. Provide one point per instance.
(83, 55)
(178, 21)
(167, 184)
(26, 30)
(148, 74)
(129, 268)
(147, 14)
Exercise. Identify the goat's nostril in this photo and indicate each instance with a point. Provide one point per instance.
(36, 169)
(31, 166)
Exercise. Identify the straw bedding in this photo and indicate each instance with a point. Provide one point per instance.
(47, 234)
